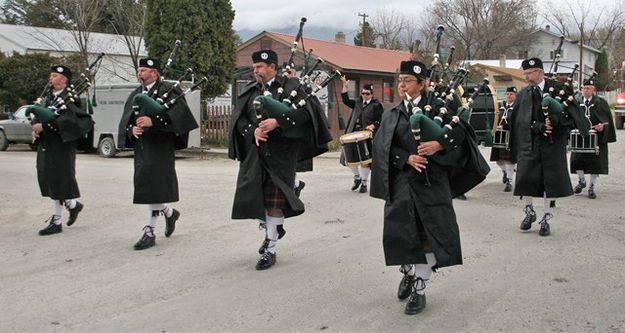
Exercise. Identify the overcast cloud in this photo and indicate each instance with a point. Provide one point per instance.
(342, 15)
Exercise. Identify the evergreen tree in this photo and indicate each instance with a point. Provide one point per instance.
(369, 40)
(23, 77)
(205, 30)
(604, 79)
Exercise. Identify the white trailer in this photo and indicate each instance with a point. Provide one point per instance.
(108, 112)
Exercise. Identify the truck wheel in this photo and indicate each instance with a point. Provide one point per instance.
(106, 148)
(4, 142)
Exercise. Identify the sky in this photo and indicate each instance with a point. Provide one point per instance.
(324, 17)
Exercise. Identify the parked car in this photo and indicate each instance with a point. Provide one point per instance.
(16, 129)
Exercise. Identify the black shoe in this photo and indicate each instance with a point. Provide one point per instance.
(504, 179)
(52, 228)
(281, 231)
(416, 303)
(580, 186)
(591, 192)
(545, 230)
(530, 217)
(170, 222)
(363, 188)
(299, 188)
(146, 241)
(508, 187)
(267, 259)
(357, 182)
(73, 213)
(405, 286)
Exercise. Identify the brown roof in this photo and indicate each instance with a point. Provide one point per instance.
(344, 56)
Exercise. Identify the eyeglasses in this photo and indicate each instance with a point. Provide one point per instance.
(405, 80)
(365, 93)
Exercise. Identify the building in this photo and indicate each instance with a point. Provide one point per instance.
(116, 67)
(361, 65)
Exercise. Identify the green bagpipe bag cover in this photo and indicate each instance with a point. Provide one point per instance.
(42, 114)
(276, 109)
(432, 131)
(148, 106)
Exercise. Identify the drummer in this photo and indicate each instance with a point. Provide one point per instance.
(502, 156)
(599, 114)
(366, 115)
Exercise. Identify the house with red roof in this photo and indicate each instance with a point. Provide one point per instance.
(361, 65)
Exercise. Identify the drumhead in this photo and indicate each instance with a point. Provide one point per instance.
(355, 136)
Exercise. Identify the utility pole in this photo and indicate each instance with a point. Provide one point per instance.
(364, 17)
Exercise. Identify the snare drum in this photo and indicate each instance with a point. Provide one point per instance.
(583, 144)
(501, 138)
(357, 148)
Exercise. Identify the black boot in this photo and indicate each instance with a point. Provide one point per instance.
(580, 186)
(504, 179)
(299, 188)
(170, 222)
(406, 283)
(146, 240)
(508, 187)
(73, 213)
(416, 303)
(530, 217)
(363, 188)
(591, 192)
(266, 260)
(545, 230)
(52, 228)
(357, 182)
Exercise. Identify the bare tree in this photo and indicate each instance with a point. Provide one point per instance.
(127, 19)
(486, 28)
(83, 16)
(388, 25)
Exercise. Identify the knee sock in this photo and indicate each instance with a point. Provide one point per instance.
(580, 174)
(593, 180)
(57, 208)
(510, 171)
(272, 231)
(355, 172)
(154, 211)
(364, 174)
(502, 165)
(423, 271)
(549, 203)
(527, 200)
(70, 203)
(296, 182)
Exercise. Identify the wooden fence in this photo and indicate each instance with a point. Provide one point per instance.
(215, 124)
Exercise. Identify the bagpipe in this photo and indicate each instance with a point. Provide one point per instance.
(47, 114)
(268, 107)
(155, 105)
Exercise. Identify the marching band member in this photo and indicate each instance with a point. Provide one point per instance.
(502, 156)
(539, 147)
(603, 122)
(420, 229)
(366, 114)
(56, 152)
(155, 140)
(268, 159)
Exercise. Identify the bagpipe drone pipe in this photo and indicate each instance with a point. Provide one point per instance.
(46, 114)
